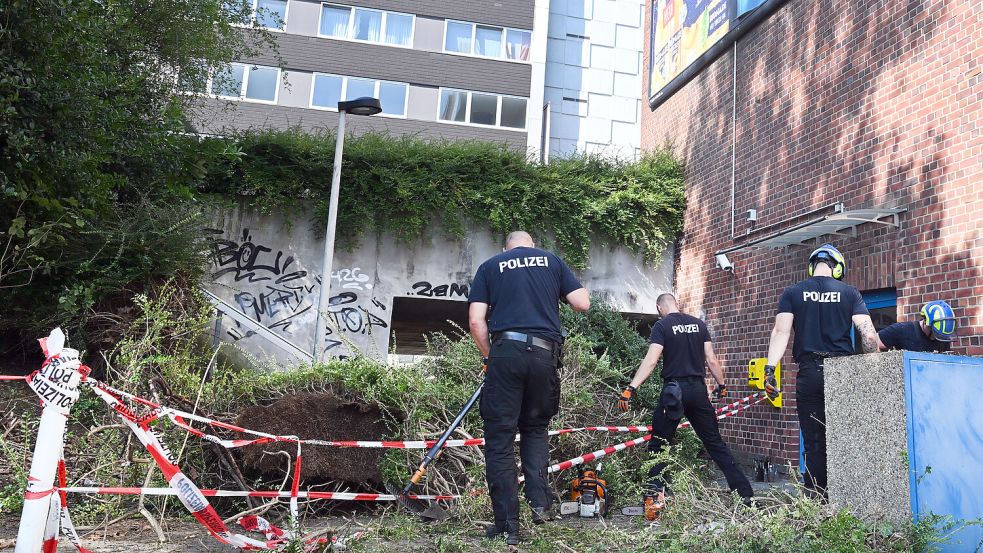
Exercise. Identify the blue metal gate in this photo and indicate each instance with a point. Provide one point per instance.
(945, 440)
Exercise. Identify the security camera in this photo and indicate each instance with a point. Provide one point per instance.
(724, 263)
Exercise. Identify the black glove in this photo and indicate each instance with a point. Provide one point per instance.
(719, 392)
(771, 383)
(624, 398)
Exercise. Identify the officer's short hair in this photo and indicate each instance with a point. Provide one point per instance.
(665, 300)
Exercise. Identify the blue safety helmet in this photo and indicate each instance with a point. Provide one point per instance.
(941, 319)
(832, 257)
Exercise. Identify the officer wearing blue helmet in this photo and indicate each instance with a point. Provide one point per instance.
(822, 311)
(933, 332)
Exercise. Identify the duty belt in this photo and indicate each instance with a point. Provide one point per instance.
(819, 357)
(528, 339)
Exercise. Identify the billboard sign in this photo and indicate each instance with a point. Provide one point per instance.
(682, 30)
(686, 35)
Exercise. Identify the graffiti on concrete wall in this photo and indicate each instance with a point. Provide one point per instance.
(270, 286)
(351, 278)
(450, 290)
(347, 319)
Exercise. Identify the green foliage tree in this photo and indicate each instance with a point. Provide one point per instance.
(94, 176)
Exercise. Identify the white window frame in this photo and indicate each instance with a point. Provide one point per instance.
(344, 91)
(286, 16)
(245, 84)
(474, 32)
(255, 23)
(351, 25)
(467, 110)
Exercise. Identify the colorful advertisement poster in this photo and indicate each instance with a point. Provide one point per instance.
(744, 6)
(682, 30)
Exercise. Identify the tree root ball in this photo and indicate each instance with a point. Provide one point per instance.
(315, 416)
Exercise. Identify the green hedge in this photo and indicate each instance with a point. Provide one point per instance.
(402, 185)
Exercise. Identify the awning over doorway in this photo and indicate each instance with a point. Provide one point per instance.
(843, 223)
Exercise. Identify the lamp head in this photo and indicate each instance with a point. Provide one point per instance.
(361, 106)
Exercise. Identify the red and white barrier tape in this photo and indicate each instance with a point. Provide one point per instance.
(586, 458)
(194, 499)
(338, 496)
(181, 418)
(186, 491)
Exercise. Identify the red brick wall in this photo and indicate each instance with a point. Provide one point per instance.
(869, 102)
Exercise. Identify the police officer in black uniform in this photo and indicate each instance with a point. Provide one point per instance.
(822, 310)
(685, 342)
(933, 332)
(515, 321)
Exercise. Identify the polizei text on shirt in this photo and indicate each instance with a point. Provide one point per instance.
(685, 329)
(522, 262)
(821, 297)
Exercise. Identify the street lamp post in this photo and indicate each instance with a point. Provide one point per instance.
(358, 106)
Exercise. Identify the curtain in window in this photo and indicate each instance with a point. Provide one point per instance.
(458, 37)
(399, 28)
(334, 21)
(453, 105)
(488, 41)
(368, 25)
(517, 45)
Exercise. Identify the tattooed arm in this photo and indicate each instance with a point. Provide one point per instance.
(868, 336)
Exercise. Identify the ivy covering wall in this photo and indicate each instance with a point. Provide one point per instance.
(403, 185)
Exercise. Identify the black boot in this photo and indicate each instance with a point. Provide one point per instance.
(509, 530)
(541, 515)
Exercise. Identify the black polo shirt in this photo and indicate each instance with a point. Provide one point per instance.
(823, 308)
(682, 338)
(523, 287)
(909, 336)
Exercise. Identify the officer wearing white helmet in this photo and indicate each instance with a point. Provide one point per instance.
(822, 311)
(934, 331)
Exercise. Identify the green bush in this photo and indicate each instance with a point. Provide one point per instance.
(402, 185)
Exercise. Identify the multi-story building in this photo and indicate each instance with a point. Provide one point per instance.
(594, 77)
(447, 68)
(441, 68)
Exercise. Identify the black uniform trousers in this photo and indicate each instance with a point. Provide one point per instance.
(522, 393)
(811, 407)
(700, 413)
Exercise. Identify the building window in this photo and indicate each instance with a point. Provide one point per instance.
(513, 112)
(270, 14)
(486, 41)
(478, 108)
(238, 81)
(517, 44)
(453, 105)
(328, 90)
(367, 25)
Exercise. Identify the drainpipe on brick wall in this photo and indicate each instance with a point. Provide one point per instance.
(733, 146)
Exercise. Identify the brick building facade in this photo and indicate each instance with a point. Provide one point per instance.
(871, 103)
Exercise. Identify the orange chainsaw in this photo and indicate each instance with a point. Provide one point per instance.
(588, 495)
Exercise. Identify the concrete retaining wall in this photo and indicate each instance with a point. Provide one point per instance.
(268, 267)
